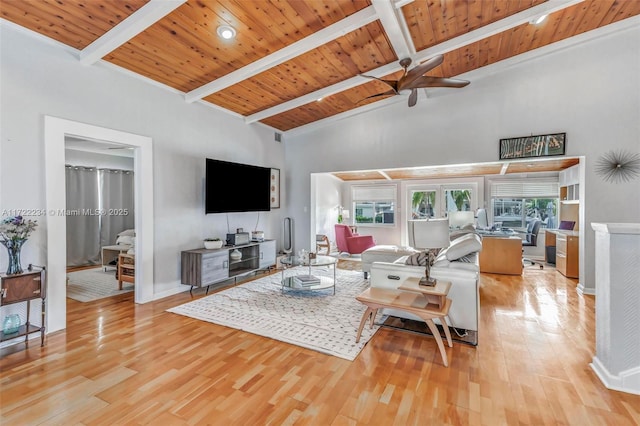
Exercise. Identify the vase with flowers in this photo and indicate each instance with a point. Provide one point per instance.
(14, 232)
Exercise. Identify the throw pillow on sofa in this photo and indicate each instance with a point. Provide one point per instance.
(463, 246)
(417, 259)
(125, 239)
(127, 233)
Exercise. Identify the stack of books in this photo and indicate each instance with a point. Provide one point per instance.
(306, 280)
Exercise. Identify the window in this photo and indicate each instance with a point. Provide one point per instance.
(457, 200)
(429, 200)
(374, 205)
(516, 203)
(423, 204)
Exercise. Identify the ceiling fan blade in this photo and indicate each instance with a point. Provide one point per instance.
(391, 83)
(379, 95)
(417, 72)
(413, 97)
(427, 81)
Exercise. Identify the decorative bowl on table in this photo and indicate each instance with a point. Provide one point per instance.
(212, 244)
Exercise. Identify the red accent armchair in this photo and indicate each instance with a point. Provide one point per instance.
(348, 242)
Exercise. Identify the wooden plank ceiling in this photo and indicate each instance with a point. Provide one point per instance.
(461, 170)
(289, 53)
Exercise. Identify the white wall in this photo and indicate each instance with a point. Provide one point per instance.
(40, 78)
(590, 91)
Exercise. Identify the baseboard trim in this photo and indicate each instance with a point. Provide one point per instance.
(582, 290)
(627, 381)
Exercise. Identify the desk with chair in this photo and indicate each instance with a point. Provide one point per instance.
(501, 253)
(566, 251)
(531, 240)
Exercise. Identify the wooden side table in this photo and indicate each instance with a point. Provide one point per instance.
(126, 269)
(24, 287)
(436, 294)
(427, 303)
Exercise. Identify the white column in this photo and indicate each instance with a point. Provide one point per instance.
(617, 359)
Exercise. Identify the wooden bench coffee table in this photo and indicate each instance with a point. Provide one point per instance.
(425, 302)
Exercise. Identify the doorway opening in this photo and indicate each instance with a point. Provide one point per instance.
(56, 130)
(100, 218)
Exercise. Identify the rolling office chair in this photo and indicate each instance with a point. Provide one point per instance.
(532, 240)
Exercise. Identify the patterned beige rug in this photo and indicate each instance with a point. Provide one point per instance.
(93, 284)
(350, 265)
(317, 320)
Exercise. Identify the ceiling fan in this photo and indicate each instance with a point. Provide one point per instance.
(414, 79)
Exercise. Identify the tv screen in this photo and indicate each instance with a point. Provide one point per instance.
(235, 187)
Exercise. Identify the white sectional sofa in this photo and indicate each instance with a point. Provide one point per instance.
(459, 264)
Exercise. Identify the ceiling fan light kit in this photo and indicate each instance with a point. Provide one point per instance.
(414, 79)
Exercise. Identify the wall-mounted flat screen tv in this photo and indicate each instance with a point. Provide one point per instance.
(234, 187)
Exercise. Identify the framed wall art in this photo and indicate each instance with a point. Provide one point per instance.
(275, 188)
(533, 146)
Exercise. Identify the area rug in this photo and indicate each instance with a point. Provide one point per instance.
(350, 264)
(93, 284)
(317, 320)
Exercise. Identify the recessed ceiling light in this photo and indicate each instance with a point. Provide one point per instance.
(226, 32)
(319, 99)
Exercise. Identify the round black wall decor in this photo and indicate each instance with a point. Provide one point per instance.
(618, 166)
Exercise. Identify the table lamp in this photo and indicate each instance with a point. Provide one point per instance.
(429, 235)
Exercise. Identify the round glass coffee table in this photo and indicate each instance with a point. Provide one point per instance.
(299, 281)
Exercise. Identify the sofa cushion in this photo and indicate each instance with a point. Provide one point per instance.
(125, 239)
(461, 266)
(463, 246)
(384, 253)
(469, 258)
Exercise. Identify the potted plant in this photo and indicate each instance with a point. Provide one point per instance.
(14, 232)
(212, 243)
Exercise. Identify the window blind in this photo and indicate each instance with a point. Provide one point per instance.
(529, 188)
(374, 193)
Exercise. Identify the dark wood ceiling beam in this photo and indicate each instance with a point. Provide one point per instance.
(319, 38)
(133, 25)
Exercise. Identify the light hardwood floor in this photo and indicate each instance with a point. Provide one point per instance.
(120, 363)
